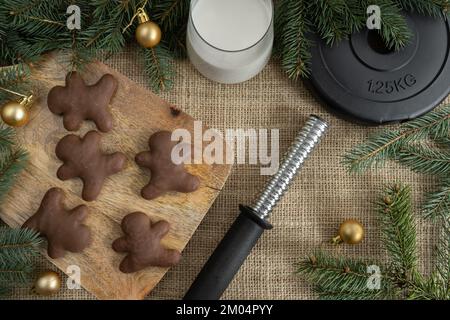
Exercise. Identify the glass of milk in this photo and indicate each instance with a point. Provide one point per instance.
(230, 41)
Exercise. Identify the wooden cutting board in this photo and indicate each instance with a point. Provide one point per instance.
(137, 114)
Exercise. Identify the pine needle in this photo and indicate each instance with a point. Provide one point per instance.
(11, 164)
(171, 14)
(7, 137)
(442, 269)
(432, 8)
(425, 159)
(344, 279)
(394, 29)
(295, 53)
(159, 68)
(17, 248)
(18, 245)
(333, 19)
(437, 205)
(399, 230)
(388, 143)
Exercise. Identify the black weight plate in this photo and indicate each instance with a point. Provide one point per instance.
(360, 78)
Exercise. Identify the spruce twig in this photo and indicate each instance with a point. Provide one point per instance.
(399, 231)
(437, 205)
(294, 45)
(18, 245)
(11, 164)
(7, 136)
(388, 143)
(426, 7)
(344, 279)
(159, 68)
(425, 159)
(333, 19)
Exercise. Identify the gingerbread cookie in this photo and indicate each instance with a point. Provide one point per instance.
(83, 158)
(165, 175)
(63, 228)
(142, 243)
(77, 101)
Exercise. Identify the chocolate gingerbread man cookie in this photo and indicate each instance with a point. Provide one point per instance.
(165, 175)
(77, 101)
(64, 229)
(83, 158)
(142, 243)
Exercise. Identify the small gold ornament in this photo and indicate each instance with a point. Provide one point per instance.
(16, 114)
(148, 33)
(48, 283)
(350, 232)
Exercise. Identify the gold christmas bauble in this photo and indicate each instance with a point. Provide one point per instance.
(148, 33)
(15, 114)
(351, 232)
(47, 283)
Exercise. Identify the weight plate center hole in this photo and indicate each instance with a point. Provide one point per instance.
(377, 43)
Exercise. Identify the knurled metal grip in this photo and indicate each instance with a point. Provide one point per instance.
(305, 142)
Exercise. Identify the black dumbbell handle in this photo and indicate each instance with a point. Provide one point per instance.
(228, 257)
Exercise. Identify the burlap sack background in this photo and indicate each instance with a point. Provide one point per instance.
(322, 196)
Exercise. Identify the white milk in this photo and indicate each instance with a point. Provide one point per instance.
(230, 41)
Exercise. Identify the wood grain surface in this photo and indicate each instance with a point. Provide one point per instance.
(137, 114)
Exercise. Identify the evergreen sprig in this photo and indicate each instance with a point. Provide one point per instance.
(29, 28)
(437, 205)
(159, 68)
(17, 248)
(348, 279)
(425, 159)
(422, 145)
(337, 278)
(11, 164)
(395, 143)
(399, 231)
(334, 20)
(294, 52)
(18, 245)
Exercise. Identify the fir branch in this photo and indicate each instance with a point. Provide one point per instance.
(442, 270)
(11, 164)
(159, 68)
(399, 231)
(295, 53)
(10, 75)
(7, 137)
(437, 204)
(344, 279)
(14, 272)
(388, 143)
(425, 159)
(433, 8)
(375, 151)
(175, 42)
(170, 14)
(435, 124)
(442, 141)
(18, 245)
(333, 19)
(394, 29)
